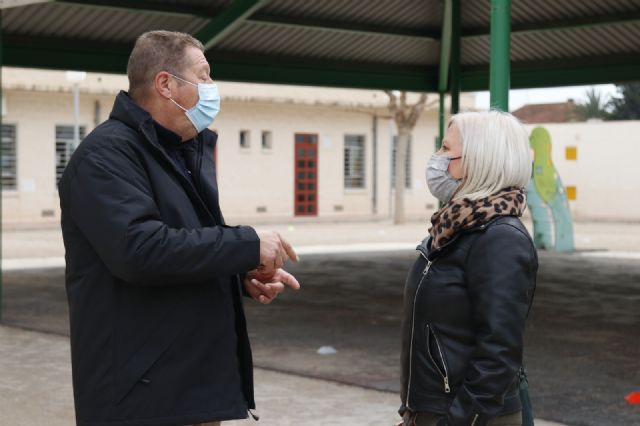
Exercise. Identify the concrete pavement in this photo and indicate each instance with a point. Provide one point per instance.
(35, 377)
(35, 384)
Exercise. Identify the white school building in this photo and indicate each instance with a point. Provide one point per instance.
(291, 153)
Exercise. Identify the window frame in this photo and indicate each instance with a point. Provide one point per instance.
(349, 162)
(15, 187)
(82, 133)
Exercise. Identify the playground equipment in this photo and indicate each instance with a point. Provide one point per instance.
(547, 199)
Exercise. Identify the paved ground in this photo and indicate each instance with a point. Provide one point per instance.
(36, 390)
(46, 244)
(583, 344)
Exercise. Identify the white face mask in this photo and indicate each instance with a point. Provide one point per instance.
(441, 184)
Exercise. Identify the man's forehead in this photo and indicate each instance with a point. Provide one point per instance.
(196, 58)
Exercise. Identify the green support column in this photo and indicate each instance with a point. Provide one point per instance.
(443, 72)
(454, 79)
(500, 50)
(440, 121)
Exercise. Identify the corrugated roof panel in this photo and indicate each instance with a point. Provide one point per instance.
(415, 14)
(580, 42)
(474, 51)
(367, 32)
(306, 43)
(70, 21)
(214, 4)
(553, 10)
(477, 14)
(603, 40)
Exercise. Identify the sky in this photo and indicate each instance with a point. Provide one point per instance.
(520, 97)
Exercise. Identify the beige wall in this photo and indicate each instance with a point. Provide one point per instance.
(252, 178)
(606, 172)
(248, 178)
(35, 115)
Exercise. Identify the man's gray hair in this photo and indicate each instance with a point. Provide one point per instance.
(153, 52)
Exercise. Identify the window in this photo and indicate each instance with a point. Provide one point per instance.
(354, 161)
(9, 174)
(65, 146)
(407, 165)
(245, 141)
(266, 140)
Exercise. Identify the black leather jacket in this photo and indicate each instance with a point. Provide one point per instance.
(464, 312)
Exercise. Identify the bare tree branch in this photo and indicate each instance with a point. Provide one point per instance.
(393, 103)
(417, 109)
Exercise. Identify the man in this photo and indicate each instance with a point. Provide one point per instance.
(154, 277)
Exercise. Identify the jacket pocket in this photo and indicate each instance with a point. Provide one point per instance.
(154, 346)
(145, 357)
(436, 355)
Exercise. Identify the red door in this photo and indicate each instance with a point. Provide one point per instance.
(306, 175)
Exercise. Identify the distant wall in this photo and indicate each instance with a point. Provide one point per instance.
(606, 171)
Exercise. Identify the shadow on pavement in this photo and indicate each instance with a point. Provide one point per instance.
(583, 343)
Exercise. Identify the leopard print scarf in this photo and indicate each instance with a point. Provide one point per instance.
(456, 216)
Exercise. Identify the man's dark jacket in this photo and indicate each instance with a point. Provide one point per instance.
(464, 312)
(158, 333)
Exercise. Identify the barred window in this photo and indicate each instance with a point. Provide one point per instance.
(354, 161)
(9, 172)
(65, 146)
(407, 164)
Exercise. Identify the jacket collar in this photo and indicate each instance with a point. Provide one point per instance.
(425, 246)
(134, 116)
(130, 113)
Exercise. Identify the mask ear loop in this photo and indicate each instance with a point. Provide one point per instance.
(188, 82)
(178, 105)
(461, 184)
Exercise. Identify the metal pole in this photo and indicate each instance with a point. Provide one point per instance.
(500, 48)
(374, 183)
(454, 79)
(76, 115)
(440, 122)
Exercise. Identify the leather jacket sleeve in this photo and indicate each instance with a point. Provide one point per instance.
(500, 272)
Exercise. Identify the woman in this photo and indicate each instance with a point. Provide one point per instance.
(470, 290)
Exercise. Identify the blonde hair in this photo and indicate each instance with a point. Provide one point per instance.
(153, 52)
(495, 153)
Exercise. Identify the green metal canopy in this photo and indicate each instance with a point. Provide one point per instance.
(418, 45)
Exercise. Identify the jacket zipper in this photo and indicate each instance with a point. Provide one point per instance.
(445, 375)
(413, 320)
(184, 178)
(475, 419)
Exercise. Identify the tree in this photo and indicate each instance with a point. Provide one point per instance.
(626, 106)
(595, 106)
(405, 116)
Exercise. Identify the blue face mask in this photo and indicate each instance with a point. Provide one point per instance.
(205, 111)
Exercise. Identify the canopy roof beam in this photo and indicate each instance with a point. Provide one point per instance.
(228, 20)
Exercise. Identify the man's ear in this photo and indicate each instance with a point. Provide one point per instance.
(162, 84)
